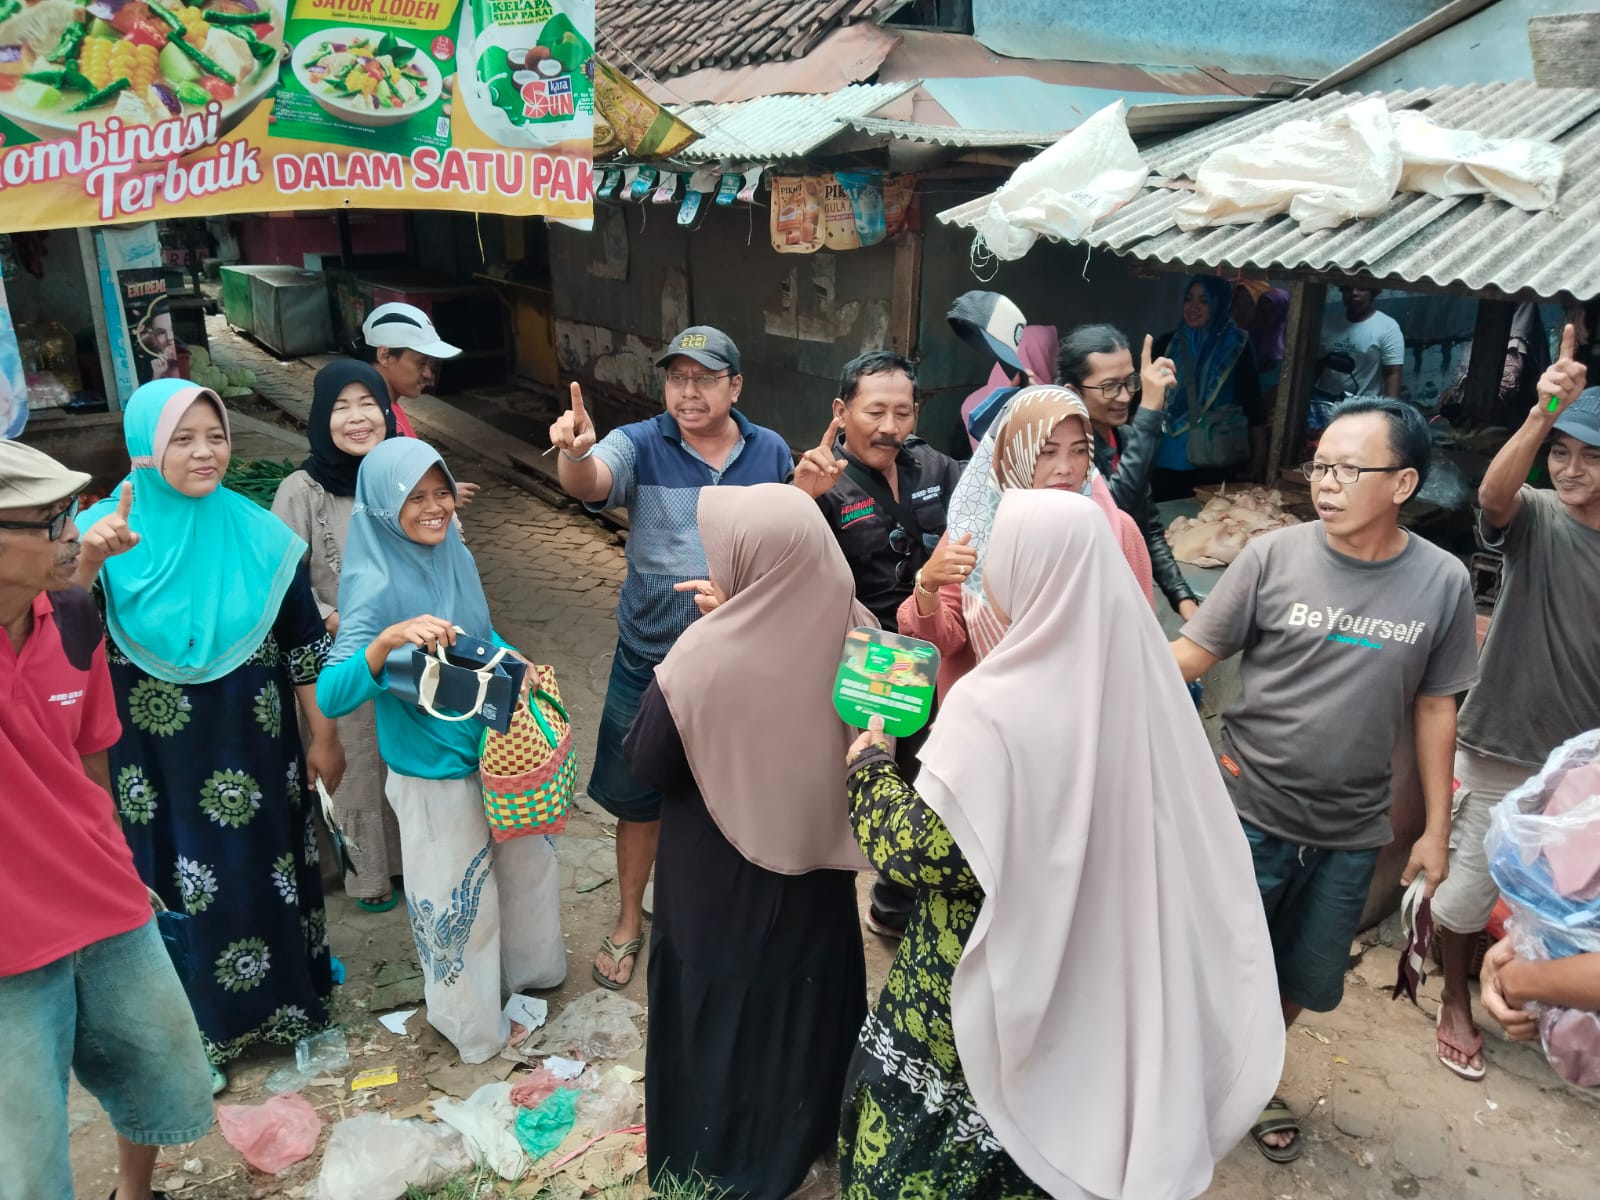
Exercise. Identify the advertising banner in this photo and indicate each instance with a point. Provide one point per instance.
(130, 110)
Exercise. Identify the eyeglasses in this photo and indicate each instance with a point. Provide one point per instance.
(1343, 473)
(900, 543)
(57, 525)
(1110, 391)
(684, 379)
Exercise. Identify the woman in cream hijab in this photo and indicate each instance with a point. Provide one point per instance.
(1084, 1004)
(757, 977)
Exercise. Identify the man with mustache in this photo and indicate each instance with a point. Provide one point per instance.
(86, 984)
(885, 494)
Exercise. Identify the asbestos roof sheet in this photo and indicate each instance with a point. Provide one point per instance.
(1472, 243)
(651, 37)
(951, 135)
(780, 127)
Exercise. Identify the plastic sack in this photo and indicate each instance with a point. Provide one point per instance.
(272, 1135)
(485, 1120)
(594, 1026)
(374, 1157)
(1458, 162)
(540, 1130)
(1088, 174)
(1543, 848)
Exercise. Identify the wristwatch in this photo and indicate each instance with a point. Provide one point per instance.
(916, 586)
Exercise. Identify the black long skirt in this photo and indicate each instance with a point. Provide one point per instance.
(757, 994)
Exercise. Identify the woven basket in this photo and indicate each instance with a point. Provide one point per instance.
(529, 774)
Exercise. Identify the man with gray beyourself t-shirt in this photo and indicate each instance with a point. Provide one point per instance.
(1347, 625)
(1541, 662)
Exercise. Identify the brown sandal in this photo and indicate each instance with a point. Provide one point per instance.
(617, 954)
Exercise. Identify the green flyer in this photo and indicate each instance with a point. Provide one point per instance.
(883, 674)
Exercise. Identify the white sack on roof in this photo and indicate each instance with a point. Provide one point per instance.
(1088, 174)
(1350, 164)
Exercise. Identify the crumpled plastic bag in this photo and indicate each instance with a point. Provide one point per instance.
(541, 1129)
(1066, 188)
(1543, 848)
(595, 1026)
(1351, 163)
(606, 1101)
(273, 1135)
(485, 1120)
(374, 1157)
(532, 1089)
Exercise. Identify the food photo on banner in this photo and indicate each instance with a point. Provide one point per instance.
(120, 110)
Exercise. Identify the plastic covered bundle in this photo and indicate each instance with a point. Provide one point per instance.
(1544, 854)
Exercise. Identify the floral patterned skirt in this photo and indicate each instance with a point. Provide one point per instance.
(912, 1132)
(209, 782)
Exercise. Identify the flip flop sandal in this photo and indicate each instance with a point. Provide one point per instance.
(1470, 1073)
(1276, 1118)
(617, 954)
(219, 1080)
(379, 906)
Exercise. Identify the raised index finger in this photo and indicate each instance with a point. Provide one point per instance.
(1569, 342)
(1144, 359)
(833, 431)
(577, 402)
(125, 500)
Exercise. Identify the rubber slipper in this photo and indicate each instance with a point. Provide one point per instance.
(219, 1079)
(1470, 1073)
(617, 954)
(1276, 1118)
(379, 906)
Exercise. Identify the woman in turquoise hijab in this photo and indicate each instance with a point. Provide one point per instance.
(1216, 427)
(214, 633)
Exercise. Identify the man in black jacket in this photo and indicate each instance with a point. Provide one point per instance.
(1128, 412)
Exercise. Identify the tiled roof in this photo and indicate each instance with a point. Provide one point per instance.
(655, 37)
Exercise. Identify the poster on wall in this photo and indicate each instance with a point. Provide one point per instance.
(133, 288)
(13, 382)
(145, 314)
(842, 211)
(129, 110)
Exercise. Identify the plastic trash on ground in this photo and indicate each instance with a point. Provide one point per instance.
(531, 1090)
(374, 1157)
(1544, 853)
(322, 1053)
(485, 1120)
(596, 1026)
(272, 1135)
(606, 1102)
(541, 1129)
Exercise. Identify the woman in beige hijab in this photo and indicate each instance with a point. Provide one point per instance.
(1084, 1004)
(757, 980)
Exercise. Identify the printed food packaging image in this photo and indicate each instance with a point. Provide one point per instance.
(527, 70)
(63, 64)
(381, 87)
(797, 224)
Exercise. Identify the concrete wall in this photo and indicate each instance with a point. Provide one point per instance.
(622, 291)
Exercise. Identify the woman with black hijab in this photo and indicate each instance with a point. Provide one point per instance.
(350, 414)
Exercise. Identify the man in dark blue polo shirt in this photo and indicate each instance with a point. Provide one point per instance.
(655, 469)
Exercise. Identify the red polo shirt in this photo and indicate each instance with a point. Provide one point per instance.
(66, 874)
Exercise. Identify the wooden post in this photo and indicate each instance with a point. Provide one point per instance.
(1490, 335)
(1302, 347)
(1566, 49)
(905, 294)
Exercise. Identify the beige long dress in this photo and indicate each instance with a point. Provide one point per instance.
(322, 520)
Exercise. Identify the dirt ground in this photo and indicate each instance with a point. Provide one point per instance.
(1381, 1117)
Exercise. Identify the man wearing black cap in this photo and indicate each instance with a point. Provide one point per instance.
(86, 984)
(992, 325)
(1540, 666)
(656, 469)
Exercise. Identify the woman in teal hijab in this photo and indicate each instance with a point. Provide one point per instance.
(485, 915)
(214, 633)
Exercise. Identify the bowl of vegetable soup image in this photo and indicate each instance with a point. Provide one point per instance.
(64, 64)
(365, 76)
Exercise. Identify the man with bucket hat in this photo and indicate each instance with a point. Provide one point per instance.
(1540, 665)
(86, 984)
(655, 469)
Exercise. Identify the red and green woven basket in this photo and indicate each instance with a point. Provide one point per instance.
(529, 775)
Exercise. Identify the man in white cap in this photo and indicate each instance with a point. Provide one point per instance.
(86, 983)
(407, 350)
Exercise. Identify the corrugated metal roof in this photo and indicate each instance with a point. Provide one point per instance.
(1473, 242)
(777, 127)
(950, 135)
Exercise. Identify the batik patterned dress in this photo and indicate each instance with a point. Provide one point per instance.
(210, 781)
(911, 1130)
